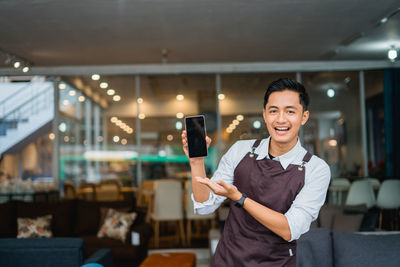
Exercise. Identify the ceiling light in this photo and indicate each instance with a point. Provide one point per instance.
(239, 117)
(170, 137)
(162, 153)
(103, 85)
(140, 100)
(130, 131)
(179, 115)
(228, 130)
(51, 136)
(384, 20)
(235, 122)
(233, 127)
(66, 139)
(95, 77)
(123, 125)
(116, 98)
(17, 64)
(332, 142)
(72, 92)
(124, 141)
(81, 98)
(257, 124)
(221, 96)
(25, 69)
(116, 139)
(62, 86)
(110, 92)
(392, 54)
(178, 125)
(62, 127)
(66, 102)
(330, 93)
(180, 97)
(113, 119)
(142, 116)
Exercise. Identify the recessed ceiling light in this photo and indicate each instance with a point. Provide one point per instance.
(257, 124)
(72, 92)
(179, 115)
(81, 98)
(51, 136)
(180, 97)
(116, 98)
(124, 141)
(95, 77)
(235, 122)
(140, 100)
(110, 92)
(170, 137)
(17, 64)
(113, 119)
(239, 117)
(25, 69)
(103, 85)
(142, 116)
(62, 86)
(392, 54)
(221, 96)
(66, 102)
(116, 139)
(330, 93)
(178, 125)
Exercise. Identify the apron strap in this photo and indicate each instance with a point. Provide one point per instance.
(253, 148)
(306, 158)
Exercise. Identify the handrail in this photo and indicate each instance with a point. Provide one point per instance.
(23, 104)
(10, 96)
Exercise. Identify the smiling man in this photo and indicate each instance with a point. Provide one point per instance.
(276, 188)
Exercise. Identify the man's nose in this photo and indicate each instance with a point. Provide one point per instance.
(282, 117)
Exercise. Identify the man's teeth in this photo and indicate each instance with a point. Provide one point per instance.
(281, 129)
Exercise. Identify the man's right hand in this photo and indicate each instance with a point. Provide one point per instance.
(185, 146)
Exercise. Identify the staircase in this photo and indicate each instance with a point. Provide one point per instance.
(26, 112)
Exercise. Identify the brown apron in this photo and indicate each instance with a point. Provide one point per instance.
(245, 241)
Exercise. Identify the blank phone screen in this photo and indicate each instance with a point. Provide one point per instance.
(196, 136)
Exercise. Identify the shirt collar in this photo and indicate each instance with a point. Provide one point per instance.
(285, 159)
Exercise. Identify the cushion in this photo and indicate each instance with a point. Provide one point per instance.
(314, 248)
(366, 250)
(347, 223)
(116, 225)
(104, 211)
(355, 209)
(62, 212)
(38, 227)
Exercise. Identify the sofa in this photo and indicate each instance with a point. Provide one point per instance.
(41, 252)
(323, 247)
(81, 218)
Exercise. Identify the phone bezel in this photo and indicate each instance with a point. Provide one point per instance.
(205, 134)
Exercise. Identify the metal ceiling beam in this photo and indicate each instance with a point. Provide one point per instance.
(207, 68)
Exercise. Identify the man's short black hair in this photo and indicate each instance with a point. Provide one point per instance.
(288, 84)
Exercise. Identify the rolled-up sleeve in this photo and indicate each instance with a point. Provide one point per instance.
(225, 172)
(306, 206)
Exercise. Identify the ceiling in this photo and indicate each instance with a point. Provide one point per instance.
(104, 32)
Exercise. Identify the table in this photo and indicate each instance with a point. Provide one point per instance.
(170, 260)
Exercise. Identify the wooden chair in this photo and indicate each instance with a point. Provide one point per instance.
(198, 219)
(69, 190)
(168, 207)
(108, 190)
(87, 191)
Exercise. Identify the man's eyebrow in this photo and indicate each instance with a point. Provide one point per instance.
(293, 107)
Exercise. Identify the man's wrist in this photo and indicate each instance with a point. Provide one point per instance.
(236, 196)
(196, 161)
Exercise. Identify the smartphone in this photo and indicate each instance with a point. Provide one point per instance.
(196, 136)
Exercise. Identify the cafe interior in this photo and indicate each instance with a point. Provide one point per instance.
(93, 100)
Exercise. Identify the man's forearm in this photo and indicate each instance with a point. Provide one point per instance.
(273, 220)
(201, 192)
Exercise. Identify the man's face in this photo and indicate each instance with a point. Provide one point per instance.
(284, 115)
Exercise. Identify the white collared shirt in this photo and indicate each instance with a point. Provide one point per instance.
(306, 205)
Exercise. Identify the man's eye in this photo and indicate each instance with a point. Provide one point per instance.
(291, 111)
(272, 111)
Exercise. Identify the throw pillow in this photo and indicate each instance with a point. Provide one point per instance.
(104, 212)
(37, 227)
(116, 225)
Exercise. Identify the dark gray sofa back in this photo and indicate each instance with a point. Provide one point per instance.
(314, 248)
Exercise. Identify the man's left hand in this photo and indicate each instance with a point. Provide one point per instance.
(221, 188)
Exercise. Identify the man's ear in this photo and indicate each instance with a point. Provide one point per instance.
(304, 119)
(264, 114)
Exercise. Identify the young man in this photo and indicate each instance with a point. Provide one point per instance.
(275, 186)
